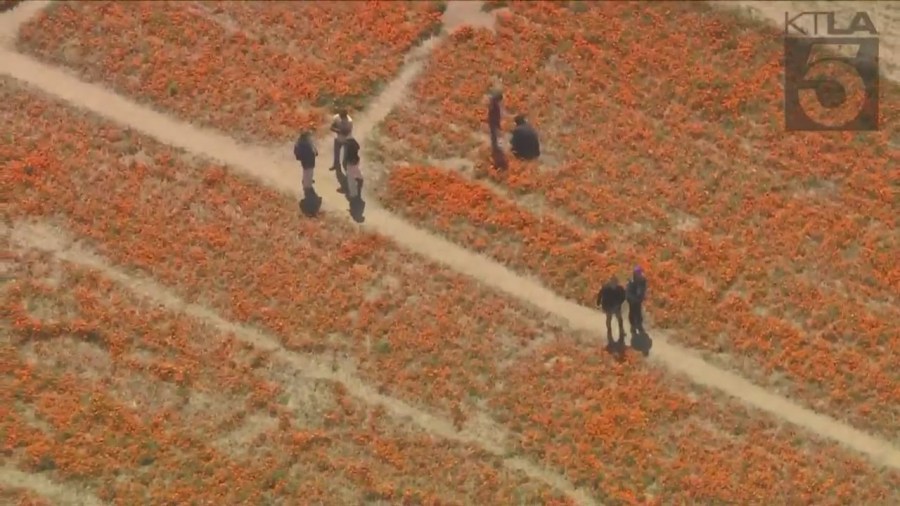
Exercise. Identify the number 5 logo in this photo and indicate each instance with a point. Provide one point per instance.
(827, 91)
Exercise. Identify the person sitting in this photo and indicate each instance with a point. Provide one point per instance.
(525, 144)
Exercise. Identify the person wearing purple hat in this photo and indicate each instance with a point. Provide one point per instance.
(636, 291)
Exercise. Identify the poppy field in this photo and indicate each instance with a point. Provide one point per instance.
(175, 333)
(258, 72)
(170, 397)
(774, 253)
(103, 386)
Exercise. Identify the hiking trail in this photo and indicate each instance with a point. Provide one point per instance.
(51, 240)
(279, 171)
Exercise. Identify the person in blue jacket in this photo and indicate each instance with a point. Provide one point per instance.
(636, 291)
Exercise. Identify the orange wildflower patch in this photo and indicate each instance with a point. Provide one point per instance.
(773, 252)
(416, 331)
(853, 375)
(421, 331)
(76, 335)
(263, 71)
(634, 436)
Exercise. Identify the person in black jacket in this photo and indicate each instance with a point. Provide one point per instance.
(305, 152)
(353, 176)
(524, 142)
(610, 300)
(636, 291)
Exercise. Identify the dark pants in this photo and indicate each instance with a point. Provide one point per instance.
(499, 159)
(341, 179)
(635, 317)
(617, 312)
(311, 202)
(344, 187)
(495, 137)
(338, 144)
(359, 186)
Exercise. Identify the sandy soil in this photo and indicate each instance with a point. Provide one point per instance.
(885, 16)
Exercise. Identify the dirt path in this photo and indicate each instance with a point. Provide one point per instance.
(884, 14)
(482, 432)
(273, 170)
(278, 171)
(458, 13)
(10, 21)
(59, 495)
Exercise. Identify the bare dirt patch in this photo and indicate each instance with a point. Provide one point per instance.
(885, 16)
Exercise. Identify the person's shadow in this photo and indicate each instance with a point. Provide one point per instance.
(616, 349)
(642, 342)
(357, 210)
(311, 203)
(357, 205)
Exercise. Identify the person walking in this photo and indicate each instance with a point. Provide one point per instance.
(636, 291)
(610, 300)
(524, 142)
(342, 126)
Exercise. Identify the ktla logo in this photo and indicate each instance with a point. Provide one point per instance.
(831, 82)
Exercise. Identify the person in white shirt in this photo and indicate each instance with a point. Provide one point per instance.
(342, 126)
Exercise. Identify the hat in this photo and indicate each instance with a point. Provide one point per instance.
(638, 270)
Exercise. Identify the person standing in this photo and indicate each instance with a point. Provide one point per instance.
(495, 113)
(353, 176)
(494, 117)
(636, 291)
(342, 126)
(610, 300)
(524, 142)
(305, 152)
